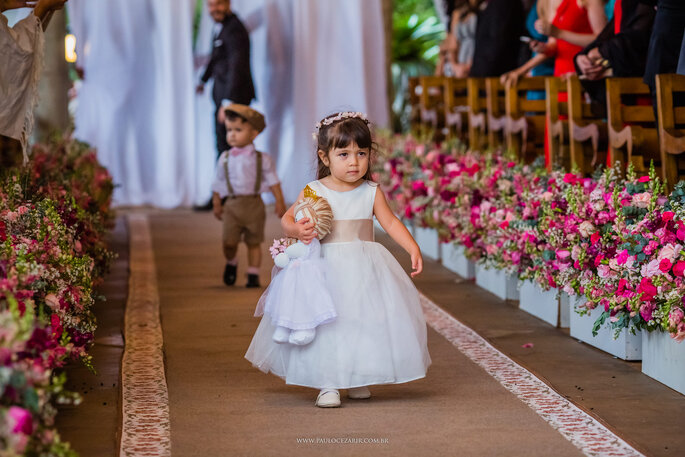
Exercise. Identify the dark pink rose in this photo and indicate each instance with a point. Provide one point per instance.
(679, 268)
(665, 265)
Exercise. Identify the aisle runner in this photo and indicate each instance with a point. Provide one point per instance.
(581, 429)
(145, 401)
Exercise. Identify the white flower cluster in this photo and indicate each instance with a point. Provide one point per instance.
(340, 117)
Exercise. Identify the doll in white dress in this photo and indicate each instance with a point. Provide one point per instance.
(297, 300)
(379, 335)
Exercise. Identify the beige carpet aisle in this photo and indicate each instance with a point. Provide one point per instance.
(221, 405)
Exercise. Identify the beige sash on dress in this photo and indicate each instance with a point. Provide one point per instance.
(350, 230)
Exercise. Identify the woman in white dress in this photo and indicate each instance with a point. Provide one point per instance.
(379, 336)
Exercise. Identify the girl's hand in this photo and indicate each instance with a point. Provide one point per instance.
(305, 230)
(416, 263)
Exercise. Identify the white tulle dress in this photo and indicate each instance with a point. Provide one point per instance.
(379, 335)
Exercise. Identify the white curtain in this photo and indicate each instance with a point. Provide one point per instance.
(312, 58)
(309, 58)
(136, 104)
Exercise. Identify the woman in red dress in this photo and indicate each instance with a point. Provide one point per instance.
(576, 24)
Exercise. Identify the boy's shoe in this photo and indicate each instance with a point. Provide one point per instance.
(328, 398)
(359, 393)
(252, 280)
(230, 274)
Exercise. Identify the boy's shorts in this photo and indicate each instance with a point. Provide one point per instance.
(243, 217)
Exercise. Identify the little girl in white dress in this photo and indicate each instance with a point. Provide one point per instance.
(379, 335)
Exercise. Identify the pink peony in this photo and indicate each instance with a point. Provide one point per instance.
(650, 269)
(667, 216)
(641, 200)
(643, 179)
(20, 420)
(669, 251)
(622, 257)
(586, 229)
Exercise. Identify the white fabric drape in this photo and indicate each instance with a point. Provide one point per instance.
(136, 104)
(309, 58)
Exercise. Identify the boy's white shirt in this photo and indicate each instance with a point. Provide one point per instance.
(242, 170)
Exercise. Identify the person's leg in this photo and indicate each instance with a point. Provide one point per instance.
(254, 257)
(254, 237)
(254, 261)
(230, 240)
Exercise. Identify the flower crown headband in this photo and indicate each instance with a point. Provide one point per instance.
(339, 117)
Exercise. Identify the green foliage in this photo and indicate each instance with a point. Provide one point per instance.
(417, 34)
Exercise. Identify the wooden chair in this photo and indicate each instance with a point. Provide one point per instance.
(456, 107)
(432, 102)
(671, 126)
(476, 97)
(587, 131)
(526, 119)
(557, 124)
(414, 89)
(632, 130)
(497, 119)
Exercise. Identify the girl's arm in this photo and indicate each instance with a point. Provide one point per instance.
(397, 231)
(303, 230)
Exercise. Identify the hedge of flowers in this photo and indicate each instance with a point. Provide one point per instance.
(615, 240)
(54, 214)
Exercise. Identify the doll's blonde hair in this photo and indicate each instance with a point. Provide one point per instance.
(319, 213)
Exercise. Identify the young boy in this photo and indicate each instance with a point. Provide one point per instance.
(242, 174)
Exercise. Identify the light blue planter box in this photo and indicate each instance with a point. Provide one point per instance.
(427, 239)
(541, 304)
(663, 359)
(453, 259)
(627, 346)
(497, 282)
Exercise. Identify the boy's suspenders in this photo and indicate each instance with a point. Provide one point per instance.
(258, 181)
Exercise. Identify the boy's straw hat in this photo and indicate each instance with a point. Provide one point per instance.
(253, 117)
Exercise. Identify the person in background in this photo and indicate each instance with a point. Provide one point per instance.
(619, 50)
(242, 175)
(499, 26)
(665, 41)
(21, 48)
(541, 64)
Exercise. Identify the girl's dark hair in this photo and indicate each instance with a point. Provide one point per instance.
(341, 134)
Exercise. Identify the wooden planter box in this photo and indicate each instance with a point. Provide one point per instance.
(453, 259)
(541, 304)
(627, 346)
(427, 239)
(663, 359)
(497, 282)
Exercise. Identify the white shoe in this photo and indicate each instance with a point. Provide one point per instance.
(359, 393)
(302, 337)
(281, 334)
(328, 398)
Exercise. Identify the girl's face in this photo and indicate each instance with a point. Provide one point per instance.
(348, 164)
(239, 133)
